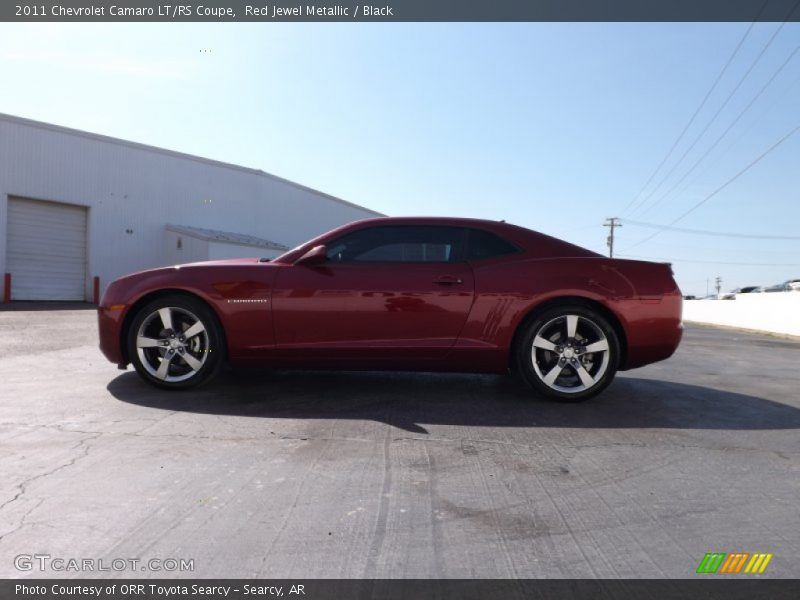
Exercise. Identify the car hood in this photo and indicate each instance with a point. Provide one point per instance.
(174, 270)
(228, 262)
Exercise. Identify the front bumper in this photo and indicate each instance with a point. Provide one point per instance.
(110, 320)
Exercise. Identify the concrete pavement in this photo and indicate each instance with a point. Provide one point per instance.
(313, 474)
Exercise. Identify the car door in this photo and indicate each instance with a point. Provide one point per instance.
(399, 291)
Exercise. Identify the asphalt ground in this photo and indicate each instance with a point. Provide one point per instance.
(280, 474)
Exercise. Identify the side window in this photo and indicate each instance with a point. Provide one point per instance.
(399, 243)
(483, 244)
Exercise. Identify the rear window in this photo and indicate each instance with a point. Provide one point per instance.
(483, 244)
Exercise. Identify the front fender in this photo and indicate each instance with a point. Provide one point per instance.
(239, 295)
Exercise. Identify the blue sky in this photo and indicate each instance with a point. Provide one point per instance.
(551, 126)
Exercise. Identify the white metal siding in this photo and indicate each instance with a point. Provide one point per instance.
(221, 250)
(46, 250)
(133, 191)
(191, 249)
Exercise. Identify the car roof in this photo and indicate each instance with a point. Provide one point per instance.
(515, 233)
(447, 221)
(522, 237)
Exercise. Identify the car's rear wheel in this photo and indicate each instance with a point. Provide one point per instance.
(175, 342)
(568, 353)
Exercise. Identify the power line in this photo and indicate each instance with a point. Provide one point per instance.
(742, 134)
(709, 262)
(719, 111)
(751, 236)
(735, 177)
(721, 108)
(699, 108)
(722, 187)
(724, 133)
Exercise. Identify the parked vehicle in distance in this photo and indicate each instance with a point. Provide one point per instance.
(778, 287)
(690, 297)
(430, 294)
(742, 290)
(791, 285)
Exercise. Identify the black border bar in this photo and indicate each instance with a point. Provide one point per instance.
(400, 10)
(711, 588)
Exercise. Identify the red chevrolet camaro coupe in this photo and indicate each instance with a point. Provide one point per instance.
(424, 294)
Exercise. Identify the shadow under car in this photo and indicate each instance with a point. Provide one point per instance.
(410, 400)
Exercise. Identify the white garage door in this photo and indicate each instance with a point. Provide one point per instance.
(46, 252)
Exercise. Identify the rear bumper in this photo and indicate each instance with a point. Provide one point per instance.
(654, 330)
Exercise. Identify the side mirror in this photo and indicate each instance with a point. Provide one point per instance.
(316, 256)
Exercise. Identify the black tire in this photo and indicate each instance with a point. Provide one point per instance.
(192, 361)
(551, 328)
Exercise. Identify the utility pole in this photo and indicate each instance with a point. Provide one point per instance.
(611, 222)
(718, 282)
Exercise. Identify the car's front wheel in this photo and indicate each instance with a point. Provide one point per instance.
(568, 353)
(175, 342)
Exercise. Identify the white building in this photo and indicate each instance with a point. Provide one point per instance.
(75, 206)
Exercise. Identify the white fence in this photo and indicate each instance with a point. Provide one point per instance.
(777, 312)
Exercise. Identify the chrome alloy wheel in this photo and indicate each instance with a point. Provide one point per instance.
(172, 344)
(570, 353)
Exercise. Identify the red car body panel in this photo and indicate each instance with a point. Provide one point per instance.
(399, 315)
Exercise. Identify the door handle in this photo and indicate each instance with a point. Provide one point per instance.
(448, 280)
